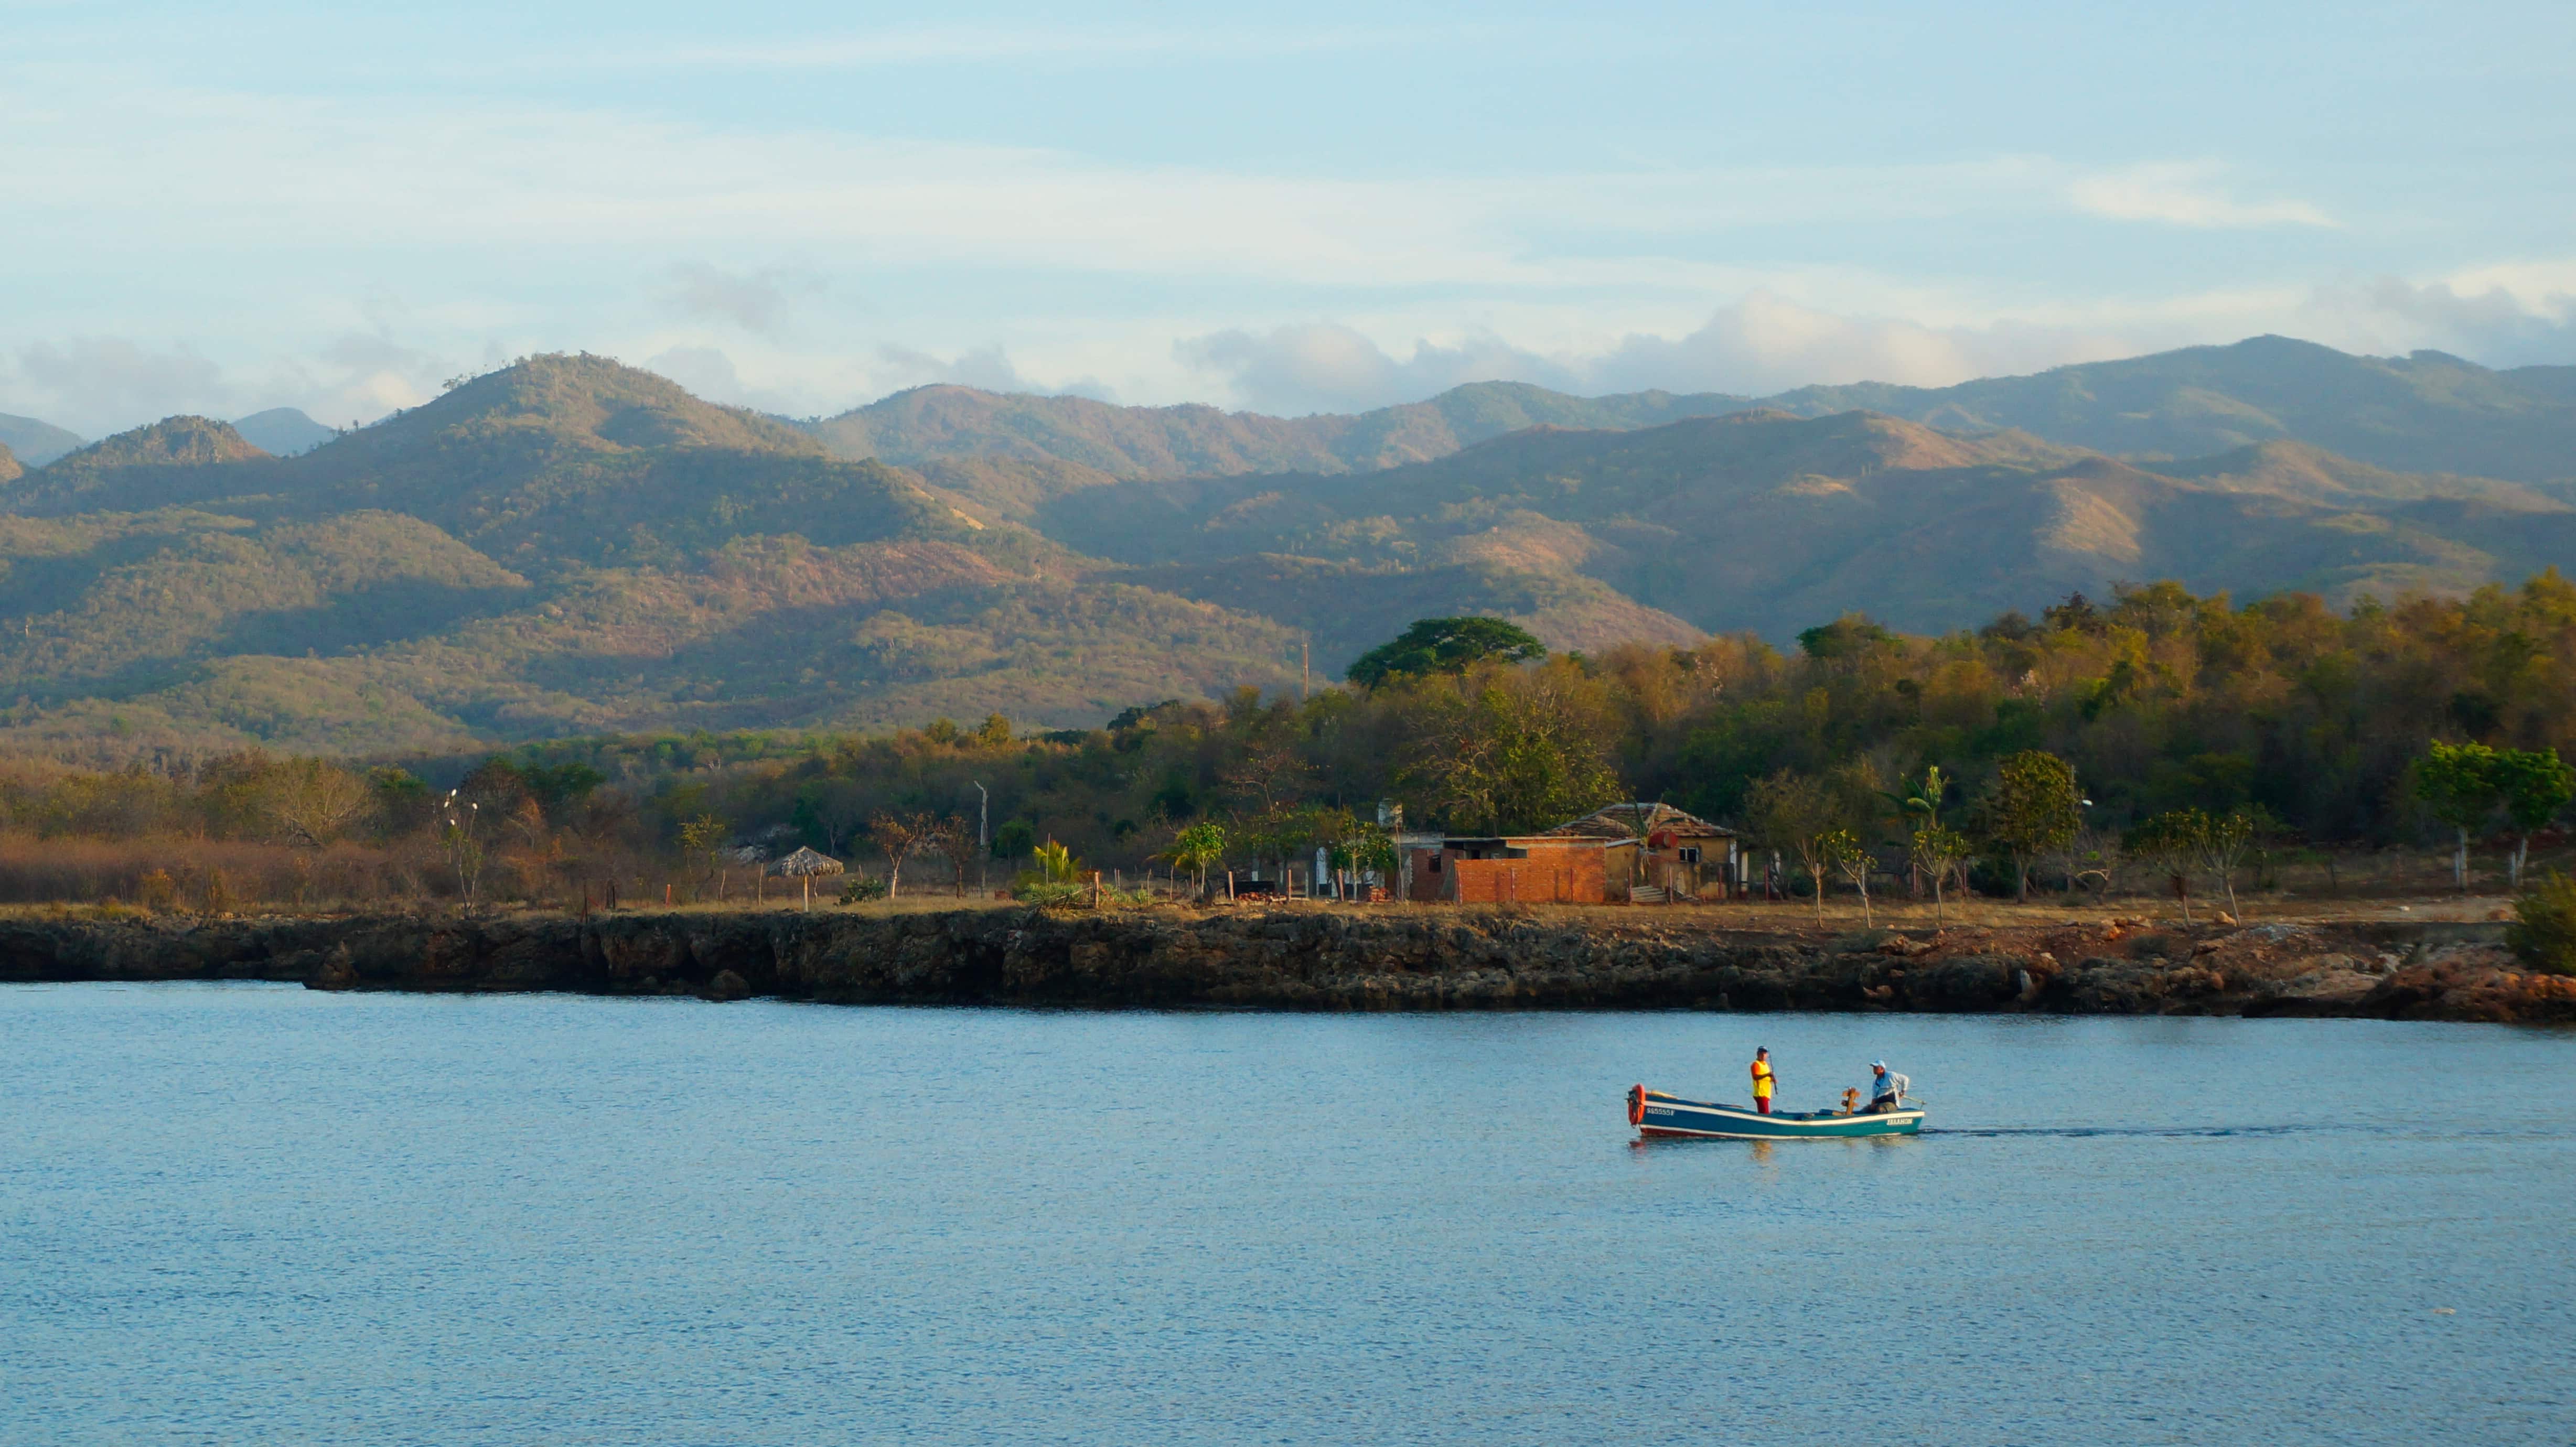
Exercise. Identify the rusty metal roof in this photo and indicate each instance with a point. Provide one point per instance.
(1636, 821)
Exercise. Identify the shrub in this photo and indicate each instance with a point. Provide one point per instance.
(858, 888)
(1046, 894)
(157, 892)
(214, 894)
(2544, 929)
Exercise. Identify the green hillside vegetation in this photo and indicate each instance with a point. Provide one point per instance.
(2425, 413)
(1344, 607)
(566, 545)
(569, 546)
(2428, 413)
(10, 471)
(2160, 699)
(171, 462)
(2312, 726)
(1760, 519)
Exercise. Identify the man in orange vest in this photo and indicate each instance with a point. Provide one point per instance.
(1762, 1081)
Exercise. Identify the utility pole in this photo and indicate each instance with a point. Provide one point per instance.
(983, 838)
(1305, 668)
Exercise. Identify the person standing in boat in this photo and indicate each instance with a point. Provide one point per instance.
(1762, 1081)
(1886, 1088)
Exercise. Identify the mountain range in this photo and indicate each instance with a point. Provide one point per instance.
(2426, 412)
(569, 545)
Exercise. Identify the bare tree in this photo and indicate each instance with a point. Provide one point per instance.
(314, 801)
(901, 836)
(2091, 858)
(840, 807)
(1843, 849)
(1795, 812)
(1937, 850)
(1268, 773)
(949, 837)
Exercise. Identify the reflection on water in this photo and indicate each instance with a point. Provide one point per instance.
(252, 1214)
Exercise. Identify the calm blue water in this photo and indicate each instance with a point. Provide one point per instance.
(259, 1214)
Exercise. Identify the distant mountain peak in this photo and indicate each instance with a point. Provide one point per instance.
(184, 441)
(35, 443)
(586, 401)
(283, 431)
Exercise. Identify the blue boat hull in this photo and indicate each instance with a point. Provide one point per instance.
(1655, 1113)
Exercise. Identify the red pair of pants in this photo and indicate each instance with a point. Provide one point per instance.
(1762, 1103)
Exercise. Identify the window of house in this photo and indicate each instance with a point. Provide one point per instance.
(1435, 864)
(1690, 854)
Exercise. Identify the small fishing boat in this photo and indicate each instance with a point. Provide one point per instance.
(1654, 1113)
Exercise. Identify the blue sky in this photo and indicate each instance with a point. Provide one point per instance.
(219, 209)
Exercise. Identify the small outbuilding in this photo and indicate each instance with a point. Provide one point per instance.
(804, 864)
(1657, 852)
(1623, 853)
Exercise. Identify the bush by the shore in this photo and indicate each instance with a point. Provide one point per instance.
(2543, 933)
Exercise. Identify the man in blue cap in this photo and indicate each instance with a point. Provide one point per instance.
(1886, 1088)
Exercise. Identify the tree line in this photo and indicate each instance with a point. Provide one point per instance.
(2385, 723)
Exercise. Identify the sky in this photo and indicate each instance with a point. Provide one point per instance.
(1326, 207)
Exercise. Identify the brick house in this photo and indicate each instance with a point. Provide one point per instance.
(1640, 852)
(1656, 852)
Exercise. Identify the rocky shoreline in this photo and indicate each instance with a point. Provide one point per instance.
(1310, 959)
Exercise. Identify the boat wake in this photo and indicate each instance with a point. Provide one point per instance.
(2177, 1131)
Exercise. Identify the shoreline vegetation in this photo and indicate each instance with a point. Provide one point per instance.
(2158, 751)
(1344, 958)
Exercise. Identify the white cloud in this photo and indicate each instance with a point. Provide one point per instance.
(410, 172)
(760, 301)
(2183, 195)
(1329, 367)
(2493, 326)
(102, 385)
(96, 385)
(999, 44)
(1763, 344)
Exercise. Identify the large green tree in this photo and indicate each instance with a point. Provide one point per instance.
(2535, 785)
(1508, 750)
(1444, 645)
(2461, 785)
(2032, 809)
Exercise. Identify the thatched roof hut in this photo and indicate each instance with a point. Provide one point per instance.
(808, 862)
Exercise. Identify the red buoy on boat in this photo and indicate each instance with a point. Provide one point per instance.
(1636, 1105)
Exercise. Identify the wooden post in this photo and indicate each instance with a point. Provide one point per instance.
(1095, 889)
(809, 892)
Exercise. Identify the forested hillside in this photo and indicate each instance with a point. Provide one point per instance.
(1765, 521)
(929, 423)
(2426, 413)
(565, 545)
(571, 546)
(2312, 726)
